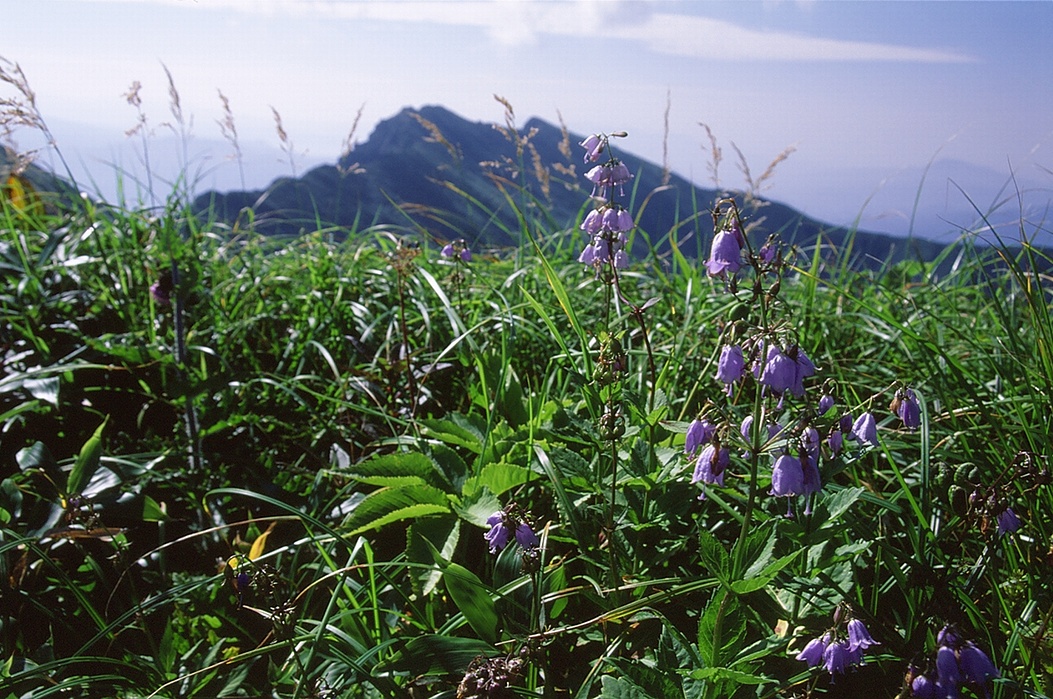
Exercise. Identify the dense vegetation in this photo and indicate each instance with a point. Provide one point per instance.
(358, 463)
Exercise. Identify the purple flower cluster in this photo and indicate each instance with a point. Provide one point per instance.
(607, 227)
(713, 460)
(506, 525)
(785, 371)
(457, 249)
(837, 652)
(609, 224)
(957, 663)
(906, 407)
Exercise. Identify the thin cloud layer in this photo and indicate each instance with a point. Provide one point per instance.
(517, 23)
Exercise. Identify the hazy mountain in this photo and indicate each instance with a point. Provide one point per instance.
(433, 172)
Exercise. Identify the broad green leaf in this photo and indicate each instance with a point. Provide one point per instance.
(724, 608)
(398, 464)
(389, 505)
(456, 430)
(621, 688)
(473, 599)
(39, 457)
(439, 655)
(498, 478)
(152, 511)
(727, 674)
(442, 533)
(477, 507)
(87, 461)
(836, 504)
(45, 389)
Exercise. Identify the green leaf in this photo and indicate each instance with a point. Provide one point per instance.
(727, 674)
(621, 688)
(473, 599)
(39, 457)
(398, 464)
(388, 505)
(442, 535)
(477, 507)
(836, 504)
(714, 556)
(438, 655)
(457, 430)
(45, 389)
(498, 478)
(87, 461)
(724, 608)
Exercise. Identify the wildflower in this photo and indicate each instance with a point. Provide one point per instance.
(803, 368)
(835, 658)
(826, 401)
(594, 147)
(458, 249)
(864, 430)
(835, 441)
(923, 688)
(905, 406)
(1008, 522)
(975, 666)
(858, 636)
(699, 432)
(779, 371)
(731, 365)
(506, 525)
(813, 652)
(725, 253)
(787, 477)
(710, 466)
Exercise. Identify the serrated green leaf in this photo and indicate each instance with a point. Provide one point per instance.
(87, 461)
(727, 674)
(498, 478)
(836, 504)
(621, 688)
(398, 464)
(455, 430)
(477, 507)
(388, 505)
(714, 556)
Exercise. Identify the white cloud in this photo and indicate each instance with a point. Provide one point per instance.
(519, 22)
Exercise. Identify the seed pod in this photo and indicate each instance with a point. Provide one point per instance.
(961, 475)
(959, 500)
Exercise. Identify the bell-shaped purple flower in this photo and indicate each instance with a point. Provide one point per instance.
(907, 408)
(836, 441)
(725, 253)
(947, 672)
(826, 401)
(923, 688)
(625, 221)
(594, 147)
(731, 365)
(1008, 522)
(835, 658)
(975, 666)
(699, 432)
(500, 533)
(526, 537)
(787, 477)
(864, 430)
(813, 652)
(858, 636)
(711, 466)
(592, 222)
(780, 372)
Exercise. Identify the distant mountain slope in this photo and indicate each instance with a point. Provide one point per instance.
(433, 170)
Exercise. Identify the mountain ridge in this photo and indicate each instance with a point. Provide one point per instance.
(432, 172)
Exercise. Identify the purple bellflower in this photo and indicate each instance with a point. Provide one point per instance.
(504, 526)
(864, 430)
(1008, 522)
(731, 366)
(858, 636)
(711, 466)
(813, 652)
(725, 254)
(699, 432)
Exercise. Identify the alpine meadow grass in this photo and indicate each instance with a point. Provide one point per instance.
(367, 462)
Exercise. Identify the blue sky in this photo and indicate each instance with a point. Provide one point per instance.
(867, 92)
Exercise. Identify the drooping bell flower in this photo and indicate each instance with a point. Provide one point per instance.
(947, 673)
(526, 537)
(1008, 522)
(826, 401)
(787, 477)
(836, 441)
(813, 652)
(594, 147)
(506, 525)
(905, 406)
(711, 466)
(725, 253)
(699, 432)
(921, 687)
(975, 666)
(731, 366)
(803, 368)
(835, 658)
(500, 534)
(780, 372)
(858, 636)
(864, 430)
